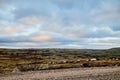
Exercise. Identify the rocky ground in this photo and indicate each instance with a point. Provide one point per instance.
(94, 73)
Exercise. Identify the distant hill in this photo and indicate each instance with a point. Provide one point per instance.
(83, 53)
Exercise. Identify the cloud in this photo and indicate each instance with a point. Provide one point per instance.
(107, 13)
(42, 38)
(31, 20)
(115, 28)
(103, 31)
(60, 23)
(2, 3)
(42, 8)
(111, 40)
(9, 31)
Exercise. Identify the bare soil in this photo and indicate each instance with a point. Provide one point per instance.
(93, 73)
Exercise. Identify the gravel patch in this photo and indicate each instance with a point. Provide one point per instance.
(94, 73)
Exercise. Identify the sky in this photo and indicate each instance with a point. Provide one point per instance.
(82, 24)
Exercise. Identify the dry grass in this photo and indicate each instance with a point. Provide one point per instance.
(46, 59)
(8, 65)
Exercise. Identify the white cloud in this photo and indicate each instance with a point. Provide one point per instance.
(106, 39)
(43, 38)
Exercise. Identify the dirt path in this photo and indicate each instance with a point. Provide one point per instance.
(103, 73)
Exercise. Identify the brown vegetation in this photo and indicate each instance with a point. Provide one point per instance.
(42, 59)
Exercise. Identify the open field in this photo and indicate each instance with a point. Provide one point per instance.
(59, 64)
(46, 59)
(94, 73)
